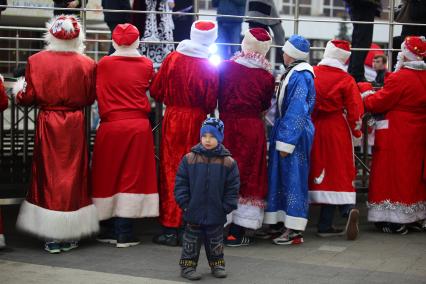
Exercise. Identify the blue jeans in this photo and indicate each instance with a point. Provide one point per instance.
(118, 226)
(327, 215)
(228, 33)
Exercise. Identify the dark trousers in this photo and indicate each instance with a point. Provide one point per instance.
(362, 36)
(327, 215)
(229, 32)
(194, 236)
(118, 226)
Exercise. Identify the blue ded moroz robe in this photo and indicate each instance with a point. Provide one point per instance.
(293, 133)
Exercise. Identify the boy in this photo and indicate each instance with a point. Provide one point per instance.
(206, 189)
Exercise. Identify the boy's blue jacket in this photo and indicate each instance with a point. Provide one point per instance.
(207, 185)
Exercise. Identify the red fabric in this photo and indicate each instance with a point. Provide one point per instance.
(336, 117)
(371, 53)
(125, 34)
(123, 157)
(416, 45)
(399, 156)
(342, 44)
(4, 101)
(188, 86)
(204, 25)
(260, 34)
(58, 31)
(60, 163)
(244, 94)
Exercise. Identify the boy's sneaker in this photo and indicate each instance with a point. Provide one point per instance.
(106, 238)
(331, 232)
(67, 246)
(219, 271)
(289, 237)
(232, 241)
(352, 229)
(166, 239)
(126, 241)
(52, 247)
(190, 273)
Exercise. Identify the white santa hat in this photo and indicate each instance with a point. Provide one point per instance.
(338, 49)
(204, 32)
(256, 40)
(64, 33)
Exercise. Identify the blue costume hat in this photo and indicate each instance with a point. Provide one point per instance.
(297, 47)
(214, 126)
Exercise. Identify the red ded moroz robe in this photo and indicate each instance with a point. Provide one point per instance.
(188, 87)
(336, 117)
(244, 94)
(58, 205)
(123, 166)
(3, 105)
(397, 191)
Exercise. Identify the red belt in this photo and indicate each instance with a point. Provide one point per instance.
(185, 109)
(60, 108)
(121, 115)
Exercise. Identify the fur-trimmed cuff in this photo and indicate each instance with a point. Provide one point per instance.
(367, 93)
(19, 86)
(284, 147)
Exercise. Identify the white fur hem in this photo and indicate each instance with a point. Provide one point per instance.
(127, 205)
(394, 216)
(57, 225)
(293, 52)
(2, 241)
(284, 147)
(290, 222)
(248, 216)
(332, 197)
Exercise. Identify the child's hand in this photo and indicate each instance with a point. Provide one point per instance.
(283, 154)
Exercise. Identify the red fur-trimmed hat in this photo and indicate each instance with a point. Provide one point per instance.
(125, 34)
(204, 32)
(338, 49)
(256, 40)
(414, 47)
(65, 27)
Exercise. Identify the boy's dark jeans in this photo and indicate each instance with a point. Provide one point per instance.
(213, 244)
(118, 226)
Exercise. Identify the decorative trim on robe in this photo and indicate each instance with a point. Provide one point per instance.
(396, 212)
(290, 222)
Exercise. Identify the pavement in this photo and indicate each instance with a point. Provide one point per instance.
(373, 258)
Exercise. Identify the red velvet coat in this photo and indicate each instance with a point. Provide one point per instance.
(4, 101)
(188, 87)
(336, 117)
(123, 165)
(244, 94)
(58, 205)
(397, 190)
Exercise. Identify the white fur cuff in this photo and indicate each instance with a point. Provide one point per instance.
(284, 147)
(19, 86)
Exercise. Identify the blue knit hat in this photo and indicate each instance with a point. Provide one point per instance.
(297, 47)
(214, 126)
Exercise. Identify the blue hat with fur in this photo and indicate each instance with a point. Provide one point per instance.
(214, 126)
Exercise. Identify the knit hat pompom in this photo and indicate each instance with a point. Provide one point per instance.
(214, 126)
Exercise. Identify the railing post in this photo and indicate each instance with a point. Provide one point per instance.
(391, 28)
(196, 9)
(296, 17)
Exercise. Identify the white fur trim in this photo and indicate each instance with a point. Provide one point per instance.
(369, 73)
(332, 62)
(57, 225)
(293, 52)
(290, 222)
(71, 45)
(127, 205)
(357, 141)
(394, 216)
(367, 93)
(2, 241)
(205, 38)
(284, 147)
(193, 49)
(2, 78)
(19, 86)
(332, 197)
(251, 44)
(248, 216)
(126, 50)
(382, 124)
(331, 51)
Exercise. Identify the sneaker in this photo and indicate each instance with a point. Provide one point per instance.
(106, 238)
(352, 229)
(190, 273)
(67, 246)
(331, 232)
(232, 241)
(2, 242)
(52, 247)
(289, 237)
(125, 241)
(415, 227)
(392, 228)
(219, 272)
(166, 239)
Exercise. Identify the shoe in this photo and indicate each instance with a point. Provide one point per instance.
(352, 229)
(190, 273)
(166, 239)
(415, 227)
(52, 247)
(67, 246)
(2, 242)
(106, 239)
(219, 272)
(126, 241)
(289, 237)
(392, 228)
(331, 232)
(232, 241)
(424, 225)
